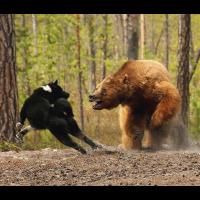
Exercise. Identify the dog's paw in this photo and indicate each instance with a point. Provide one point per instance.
(82, 151)
(98, 146)
(19, 126)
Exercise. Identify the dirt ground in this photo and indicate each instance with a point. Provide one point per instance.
(68, 167)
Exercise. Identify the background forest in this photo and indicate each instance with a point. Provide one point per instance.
(80, 50)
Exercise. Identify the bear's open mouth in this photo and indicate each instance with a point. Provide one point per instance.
(97, 104)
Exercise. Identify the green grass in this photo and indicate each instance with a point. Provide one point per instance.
(9, 146)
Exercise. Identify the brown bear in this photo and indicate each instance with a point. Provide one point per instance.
(148, 101)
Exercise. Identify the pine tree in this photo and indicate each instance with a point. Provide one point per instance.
(8, 82)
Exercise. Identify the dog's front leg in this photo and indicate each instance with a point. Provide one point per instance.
(23, 132)
(19, 126)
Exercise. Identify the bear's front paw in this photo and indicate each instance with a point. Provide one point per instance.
(156, 120)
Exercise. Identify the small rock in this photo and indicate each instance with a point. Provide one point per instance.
(185, 169)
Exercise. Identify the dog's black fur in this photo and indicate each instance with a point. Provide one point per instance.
(48, 108)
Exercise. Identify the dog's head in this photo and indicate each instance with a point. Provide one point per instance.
(55, 91)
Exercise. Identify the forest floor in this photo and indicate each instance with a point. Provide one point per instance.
(68, 167)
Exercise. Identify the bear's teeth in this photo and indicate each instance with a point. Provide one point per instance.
(94, 103)
(98, 101)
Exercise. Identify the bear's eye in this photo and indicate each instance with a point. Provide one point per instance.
(103, 92)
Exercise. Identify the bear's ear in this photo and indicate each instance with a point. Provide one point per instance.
(55, 82)
(109, 79)
(125, 79)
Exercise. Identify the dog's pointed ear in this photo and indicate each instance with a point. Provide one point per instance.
(55, 82)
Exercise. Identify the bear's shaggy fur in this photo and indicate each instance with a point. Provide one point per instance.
(148, 101)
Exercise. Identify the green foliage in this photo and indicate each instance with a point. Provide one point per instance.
(56, 58)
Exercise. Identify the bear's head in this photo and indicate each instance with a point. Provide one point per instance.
(109, 93)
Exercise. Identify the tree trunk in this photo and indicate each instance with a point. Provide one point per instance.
(152, 43)
(166, 40)
(194, 59)
(105, 18)
(79, 72)
(119, 28)
(8, 82)
(25, 62)
(141, 36)
(92, 71)
(36, 136)
(145, 31)
(35, 34)
(183, 63)
(158, 41)
(123, 20)
(133, 36)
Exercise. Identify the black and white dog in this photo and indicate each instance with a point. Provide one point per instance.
(48, 108)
